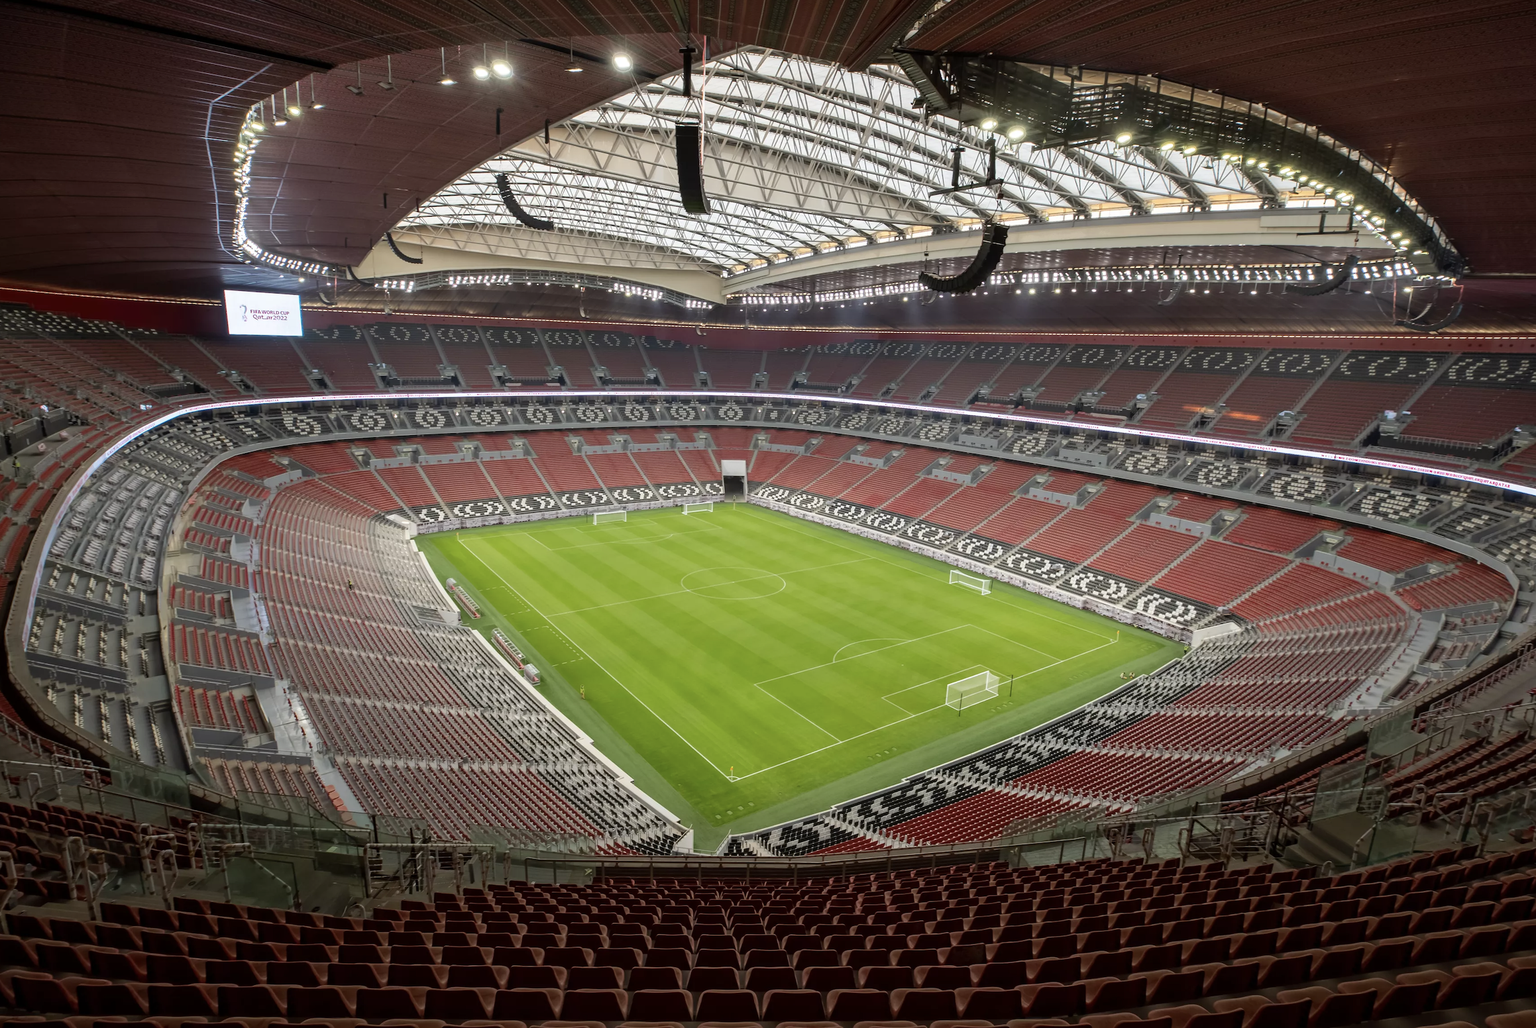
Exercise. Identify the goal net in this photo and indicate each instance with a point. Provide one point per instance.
(699, 508)
(977, 582)
(602, 517)
(971, 690)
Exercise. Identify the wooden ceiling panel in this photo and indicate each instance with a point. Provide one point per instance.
(1440, 94)
(119, 119)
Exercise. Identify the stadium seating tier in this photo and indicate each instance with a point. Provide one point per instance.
(1082, 535)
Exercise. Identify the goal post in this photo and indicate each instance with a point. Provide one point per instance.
(971, 690)
(602, 517)
(706, 507)
(980, 583)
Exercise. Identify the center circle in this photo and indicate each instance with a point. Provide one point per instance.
(733, 583)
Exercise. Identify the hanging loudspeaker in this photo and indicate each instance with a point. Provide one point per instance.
(516, 210)
(1445, 322)
(401, 253)
(1327, 285)
(690, 167)
(993, 238)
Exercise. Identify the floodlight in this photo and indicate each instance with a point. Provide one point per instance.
(622, 62)
(501, 68)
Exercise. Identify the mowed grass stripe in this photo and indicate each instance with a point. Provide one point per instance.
(620, 570)
(651, 639)
(1070, 620)
(585, 658)
(740, 695)
(640, 638)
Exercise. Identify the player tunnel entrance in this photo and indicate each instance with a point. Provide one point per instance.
(733, 476)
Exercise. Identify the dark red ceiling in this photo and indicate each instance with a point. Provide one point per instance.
(330, 183)
(1443, 94)
(117, 119)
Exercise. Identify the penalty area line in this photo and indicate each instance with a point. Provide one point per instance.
(638, 540)
(797, 522)
(597, 664)
(920, 713)
(683, 592)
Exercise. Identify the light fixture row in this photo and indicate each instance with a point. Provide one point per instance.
(487, 68)
(1019, 282)
(1093, 278)
(1129, 136)
(1014, 132)
(249, 250)
(572, 280)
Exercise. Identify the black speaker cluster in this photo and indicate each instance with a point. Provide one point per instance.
(993, 238)
(390, 238)
(690, 167)
(1327, 285)
(516, 209)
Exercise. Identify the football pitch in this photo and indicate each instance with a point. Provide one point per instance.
(746, 666)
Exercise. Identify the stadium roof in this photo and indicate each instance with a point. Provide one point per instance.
(804, 157)
(120, 116)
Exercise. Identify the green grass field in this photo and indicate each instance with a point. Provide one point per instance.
(746, 666)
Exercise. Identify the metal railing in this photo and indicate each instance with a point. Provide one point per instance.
(818, 866)
(32, 742)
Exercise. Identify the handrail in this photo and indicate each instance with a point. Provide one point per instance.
(291, 890)
(33, 742)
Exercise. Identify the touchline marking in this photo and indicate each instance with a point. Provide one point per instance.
(799, 526)
(577, 646)
(886, 698)
(617, 542)
(957, 676)
(797, 714)
(961, 673)
(851, 738)
(799, 523)
(821, 749)
(761, 576)
(683, 592)
(1020, 606)
(878, 649)
(857, 642)
(1031, 649)
(1004, 596)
